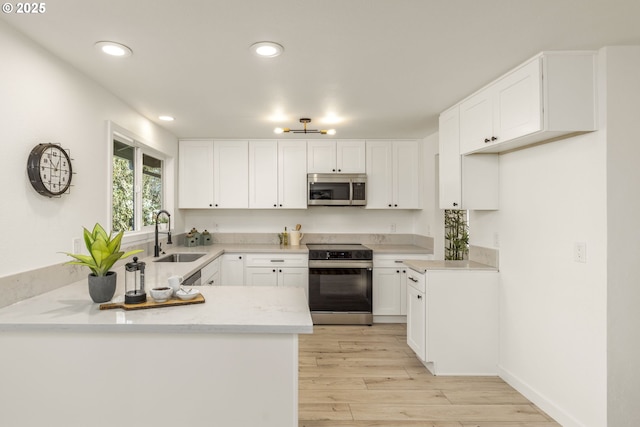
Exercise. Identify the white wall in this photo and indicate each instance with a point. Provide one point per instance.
(623, 252)
(430, 221)
(45, 100)
(553, 309)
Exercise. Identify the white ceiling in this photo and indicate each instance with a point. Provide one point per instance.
(386, 67)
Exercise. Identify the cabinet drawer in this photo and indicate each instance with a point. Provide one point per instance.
(210, 272)
(417, 280)
(395, 260)
(277, 260)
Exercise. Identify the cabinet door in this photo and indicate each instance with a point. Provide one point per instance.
(232, 270)
(518, 103)
(261, 276)
(406, 175)
(292, 174)
(263, 174)
(231, 174)
(195, 174)
(379, 175)
(416, 322)
(386, 291)
(295, 277)
(476, 121)
(449, 160)
(350, 156)
(321, 156)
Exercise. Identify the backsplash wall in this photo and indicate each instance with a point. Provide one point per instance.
(318, 219)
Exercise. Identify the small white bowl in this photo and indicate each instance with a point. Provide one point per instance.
(187, 294)
(161, 294)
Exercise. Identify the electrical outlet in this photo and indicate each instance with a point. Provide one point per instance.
(215, 228)
(77, 246)
(580, 252)
(393, 228)
(496, 240)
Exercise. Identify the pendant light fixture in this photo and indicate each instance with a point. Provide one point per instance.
(304, 122)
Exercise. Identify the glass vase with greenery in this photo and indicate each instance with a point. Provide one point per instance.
(456, 234)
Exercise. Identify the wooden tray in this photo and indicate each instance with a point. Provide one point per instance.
(150, 303)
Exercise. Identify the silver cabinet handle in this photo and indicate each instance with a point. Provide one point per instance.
(277, 260)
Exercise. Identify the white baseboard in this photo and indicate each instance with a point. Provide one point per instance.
(389, 319)
(538, 399)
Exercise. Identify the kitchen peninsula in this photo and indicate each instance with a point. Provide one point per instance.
(232, 361)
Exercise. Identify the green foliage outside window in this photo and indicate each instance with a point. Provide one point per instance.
(123, 206)
(124, 198)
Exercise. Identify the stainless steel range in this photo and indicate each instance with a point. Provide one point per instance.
(340, 282)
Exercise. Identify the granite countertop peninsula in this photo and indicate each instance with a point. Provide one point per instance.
(422, 266)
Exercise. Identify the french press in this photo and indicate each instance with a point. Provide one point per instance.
(134, 282)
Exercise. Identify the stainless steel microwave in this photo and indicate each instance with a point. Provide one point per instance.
(333, 189)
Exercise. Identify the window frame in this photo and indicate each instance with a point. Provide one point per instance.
(141, 147)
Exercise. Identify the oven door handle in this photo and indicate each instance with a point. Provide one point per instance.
(340, 264)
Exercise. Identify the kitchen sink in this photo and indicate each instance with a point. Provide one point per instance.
(180, 257)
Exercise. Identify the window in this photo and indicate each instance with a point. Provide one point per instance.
(137, 186)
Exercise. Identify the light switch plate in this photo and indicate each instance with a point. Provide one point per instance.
(580, 252)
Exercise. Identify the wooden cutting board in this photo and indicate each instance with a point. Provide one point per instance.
(150, 303)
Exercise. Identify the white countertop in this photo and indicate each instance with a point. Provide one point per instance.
(227, 309)
(422, 266)
(398, 249)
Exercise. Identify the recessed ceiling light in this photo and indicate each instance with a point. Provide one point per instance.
(166, 118)
(114, 49)
(267, 49)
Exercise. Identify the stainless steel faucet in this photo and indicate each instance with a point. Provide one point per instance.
(157, 248)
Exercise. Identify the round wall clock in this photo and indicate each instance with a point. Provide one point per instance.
(49, 169)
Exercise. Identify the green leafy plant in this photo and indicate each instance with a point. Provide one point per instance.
(104, 250)
(456, 234)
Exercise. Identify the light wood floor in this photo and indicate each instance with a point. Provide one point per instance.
(366, 376)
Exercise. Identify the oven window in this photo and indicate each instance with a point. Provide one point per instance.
(329, 191)
(340, 289)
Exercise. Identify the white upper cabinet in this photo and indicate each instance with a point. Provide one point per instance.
(393, 174)
(549, 96)
(466, 182)
(292, 174)
(231, 174)
(277, 174)
(213, 174)
(341, 156)
(195, 169)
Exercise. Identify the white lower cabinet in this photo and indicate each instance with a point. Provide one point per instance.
(277, 270)
(390, 284)
(210, 273)
(452, 320)
(232, 269)
(417, 316)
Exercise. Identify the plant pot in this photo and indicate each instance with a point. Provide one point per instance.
(102, 288)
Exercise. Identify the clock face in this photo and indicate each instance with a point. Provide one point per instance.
(49, 169)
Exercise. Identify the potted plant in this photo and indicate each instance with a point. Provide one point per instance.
(104, 251)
